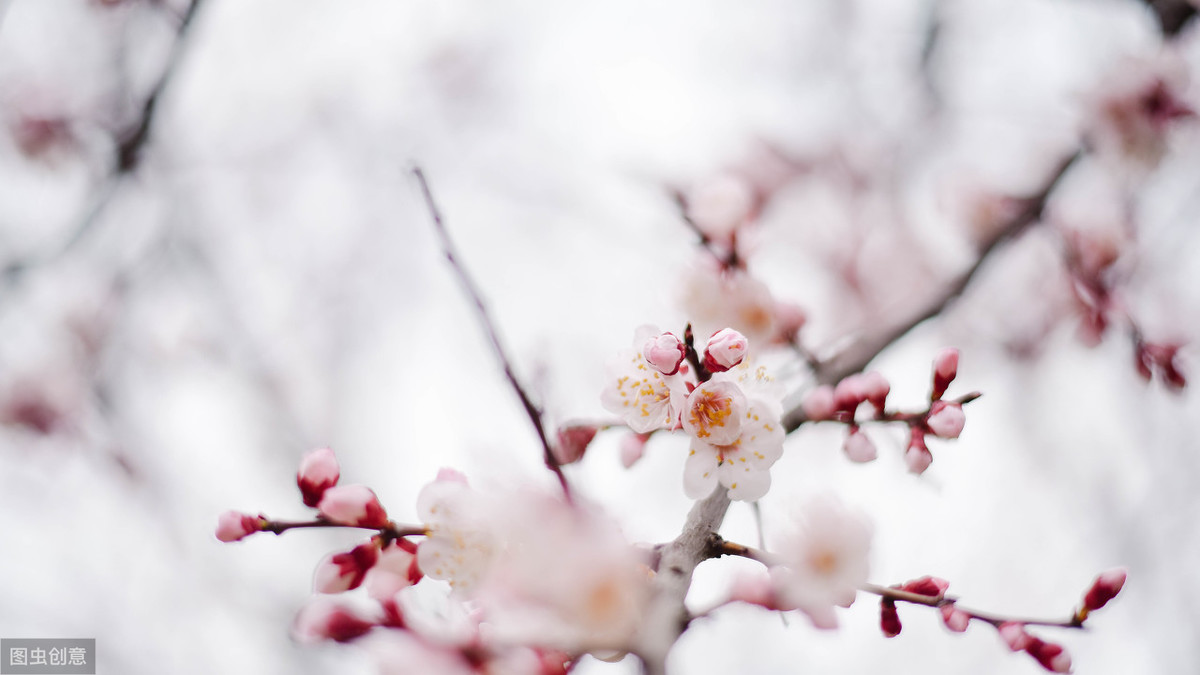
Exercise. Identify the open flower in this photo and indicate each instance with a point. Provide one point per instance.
(734, 422)
(460, 545)
(642, 396)
(823, 560)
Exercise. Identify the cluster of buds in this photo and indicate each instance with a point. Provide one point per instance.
(931, 591)
(943, 419)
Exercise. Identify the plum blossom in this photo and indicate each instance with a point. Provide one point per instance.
(460, 545)
(566, 579)
(234, 526)
(665, 352)
(823, 560)
(643, 397)
(326, 619)
(716, 298)
(859, 447)
(345, 571)
(318, 472)
(394, 570)
(734, 423)
(354, 505)
(1105, 588)
(726, 348)
(1136, 106)
(946, 420)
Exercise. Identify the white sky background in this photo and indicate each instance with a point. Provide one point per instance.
(270, 283)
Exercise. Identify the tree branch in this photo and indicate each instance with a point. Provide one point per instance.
(531, 410)
(856, 357)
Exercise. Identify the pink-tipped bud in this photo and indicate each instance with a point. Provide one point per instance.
(789, 319)
(756, 589)
(726, 348)
(954, 618)
(395, 570)
(917, 456)
(876, 388)
(325, 619)
(1052, 657)
(934, 587)
(345, 571)
(859, 447)
(945, 369)
(946, 420)
(849, 393)
(819, 403)
(889, 618)
(234, 526)
(633, 447)
(1014, 635)
(318, 472)
(354, 505)
(1105, 588)
(664, 352)
(573, 442)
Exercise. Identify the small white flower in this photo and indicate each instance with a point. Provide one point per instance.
(460, 545)
(823, 560)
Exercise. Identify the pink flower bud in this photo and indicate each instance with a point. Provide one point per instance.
(345, 571)
(726, 348)
(789, 319)
(889, 618)
(1014, 635)
(1105, 588)
(756, 589)
(664, 352)
(954, 618)
(233, 526)
(325, 619)
(917, 456)
(318, 472)
(849, 393)
(858, 446)
(819, 404)
(876, 388)
(354, 505)
(573, 442)
(633, 447)
(1052, 657)
(934, 587)
(946, 420)
(945, 369)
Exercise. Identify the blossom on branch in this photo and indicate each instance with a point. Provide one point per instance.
(642, 396)
(823, 560)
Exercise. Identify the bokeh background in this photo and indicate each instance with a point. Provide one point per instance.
(176, 331)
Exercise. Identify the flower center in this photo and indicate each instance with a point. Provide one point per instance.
(710, 410)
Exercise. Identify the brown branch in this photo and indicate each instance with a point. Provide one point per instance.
(856, 357)
(719, 547)
(393, 530)
(531, 410)
(1172, 15)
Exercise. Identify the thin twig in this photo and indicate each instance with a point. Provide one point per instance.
(393, 530)
(857, 356)
(720, 547)
(451, 253)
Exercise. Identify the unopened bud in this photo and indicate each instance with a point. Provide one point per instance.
(849, 393)
(934, 587)
(318, 472)
(917, 455)
(573, 442)
(726, 348)
(345, 571)
(945, 369)
(1105, 588)
(876, 388)
(233, 525)
(354, 505)
(664, 352)
(1052, 657)
(889, 618)
(326, 619)
(1014, 635)
(946, 420)
(633, 447)
(954, 618)
(858, 446)
(819, 404)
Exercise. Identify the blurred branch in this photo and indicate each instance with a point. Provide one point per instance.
(856, 357)
(531, 409)
(131, 142)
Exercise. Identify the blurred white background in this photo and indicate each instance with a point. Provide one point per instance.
(267, 281)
